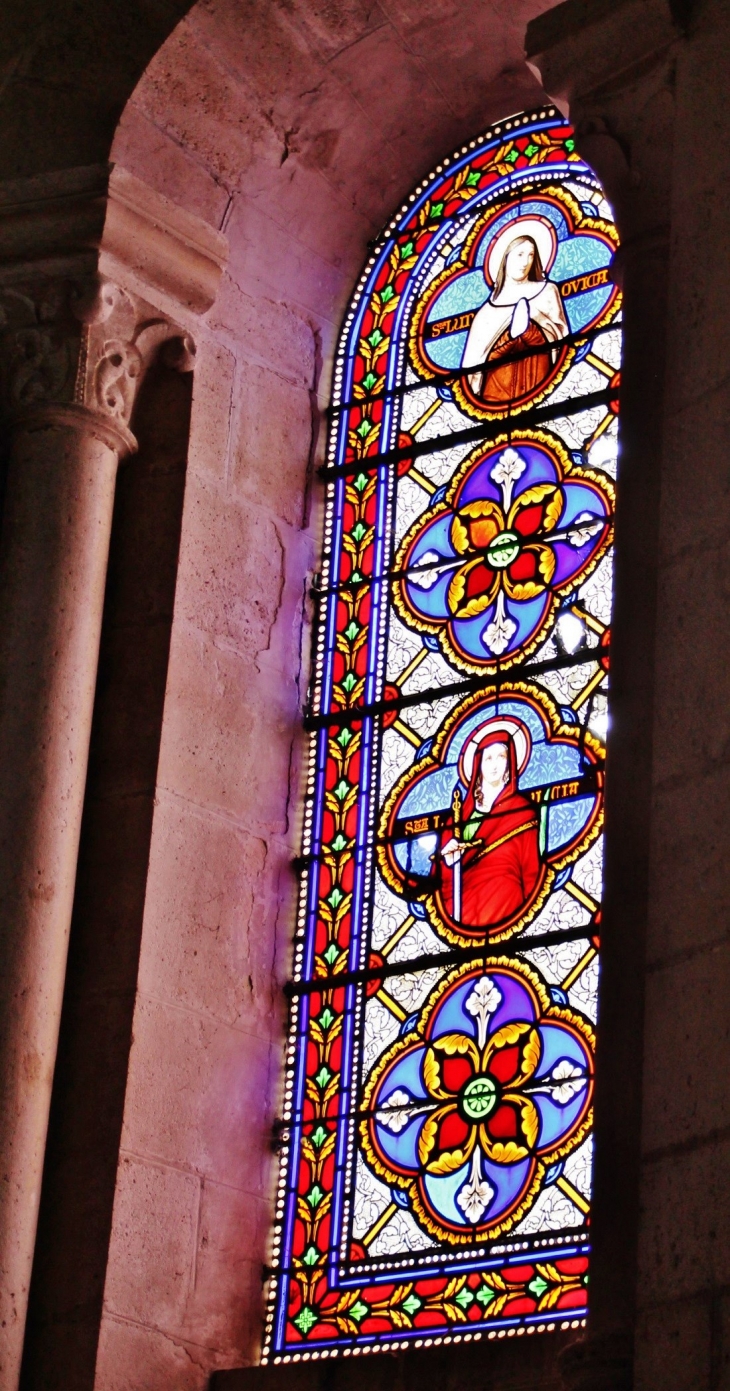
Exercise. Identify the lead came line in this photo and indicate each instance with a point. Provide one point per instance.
(575, 1197)
(579, 968)
(606, 396)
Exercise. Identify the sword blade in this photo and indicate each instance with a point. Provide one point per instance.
(456, 911)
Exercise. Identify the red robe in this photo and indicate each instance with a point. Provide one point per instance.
(501, 871)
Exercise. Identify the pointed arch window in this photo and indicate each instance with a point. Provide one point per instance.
(436, 1140)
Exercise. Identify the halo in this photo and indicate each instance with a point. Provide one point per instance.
(542, 233)
(515, 728)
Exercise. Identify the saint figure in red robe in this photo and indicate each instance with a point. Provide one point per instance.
(490, 861)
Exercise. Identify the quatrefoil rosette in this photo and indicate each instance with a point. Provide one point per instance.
(484, 569)
(467, 1113)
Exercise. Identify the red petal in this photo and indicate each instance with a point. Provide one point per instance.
(479, 581)
(505, 1064)
(524, 567)
(455, 1072)
(503, 1124)
(453, 1132)
(529, 520)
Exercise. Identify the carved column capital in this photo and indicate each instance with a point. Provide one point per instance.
(74, 352)
(98, 275)
(74, 348)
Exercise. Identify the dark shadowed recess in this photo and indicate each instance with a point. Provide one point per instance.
(68, 70)
(518, 1363)
(96, 1028)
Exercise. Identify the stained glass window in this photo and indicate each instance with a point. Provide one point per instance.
(436, 1134)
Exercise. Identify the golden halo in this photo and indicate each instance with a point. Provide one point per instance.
(543, 234)
(513, 727)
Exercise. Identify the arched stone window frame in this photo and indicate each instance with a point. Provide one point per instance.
(358, 459)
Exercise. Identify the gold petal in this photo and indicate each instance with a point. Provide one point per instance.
(508, 1153)
(451, 1160)
(432, 1075)
(553, 510)
(461, 1044)
(482, 507)
(474, 607)
(455, 591)
(529, 1117)
(546, 562)
(531, 1054)
(523, 589)
(506, 1036)
(459, 536)
(427, 1137)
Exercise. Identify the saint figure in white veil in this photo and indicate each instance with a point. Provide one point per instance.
(521, 320)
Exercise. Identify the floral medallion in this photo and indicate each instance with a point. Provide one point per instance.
(484, 568)
(468, 1111)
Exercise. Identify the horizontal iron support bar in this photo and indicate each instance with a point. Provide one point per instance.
(570, 340)
(520, 672)
(428, 961)
(489, 431)
(302, 862)
(319, 594)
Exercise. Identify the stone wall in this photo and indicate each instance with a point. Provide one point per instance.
(684, 1251)
(191, 1211)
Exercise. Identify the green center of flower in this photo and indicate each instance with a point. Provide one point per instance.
(478, 1098)
(503, 549)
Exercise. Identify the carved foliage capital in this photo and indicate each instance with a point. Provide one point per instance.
(39, 345)
(86, 344)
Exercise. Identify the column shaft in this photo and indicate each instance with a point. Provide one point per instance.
(55, 542)
(74, 348)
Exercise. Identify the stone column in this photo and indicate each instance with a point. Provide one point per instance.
(73, 350)
(59, 499)
(611, 69)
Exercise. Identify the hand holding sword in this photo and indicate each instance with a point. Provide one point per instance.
(452, 853)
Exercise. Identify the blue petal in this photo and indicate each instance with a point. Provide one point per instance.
(442, 1189)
